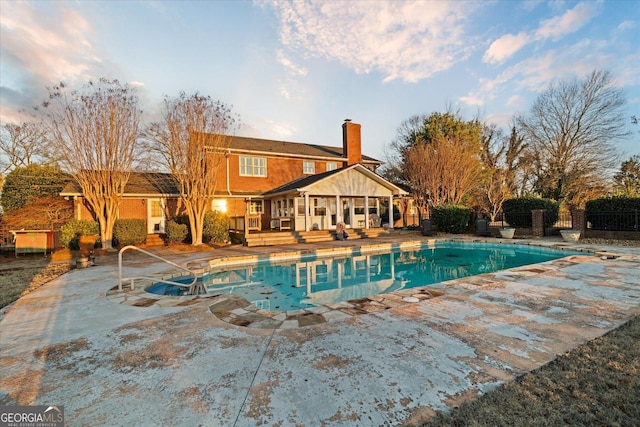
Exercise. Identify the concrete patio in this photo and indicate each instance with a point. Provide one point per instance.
(110, 362)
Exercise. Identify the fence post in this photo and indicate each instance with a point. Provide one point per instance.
(579, 221)
(537, 222)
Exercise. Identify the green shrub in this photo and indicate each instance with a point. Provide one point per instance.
(131, 231)
(517, 212)
(72, 230)
(216, 227)
(613, 204)
(601, 213)
(451, 218)
(176, 233)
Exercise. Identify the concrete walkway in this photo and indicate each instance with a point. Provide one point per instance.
(112, 363)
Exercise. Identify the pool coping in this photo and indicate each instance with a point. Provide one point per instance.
(238, 311)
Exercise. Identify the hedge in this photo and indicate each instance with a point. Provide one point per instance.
(131, 231)
(70, 232)
(215, 228)
(606, 213)
(613, 204)
(176, 233)
(517, 212)
(451, 218)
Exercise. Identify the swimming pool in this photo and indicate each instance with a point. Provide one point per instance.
(315, 281)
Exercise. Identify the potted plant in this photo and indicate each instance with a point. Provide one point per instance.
(507, 232)
(571, 236)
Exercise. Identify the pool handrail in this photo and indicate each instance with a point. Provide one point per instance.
(193, 287)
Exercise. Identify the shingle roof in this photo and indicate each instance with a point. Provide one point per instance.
(139, 183)
(243, 143)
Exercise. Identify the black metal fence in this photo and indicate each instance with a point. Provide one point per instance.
(614, 221)
(563, 222)
(515, 220)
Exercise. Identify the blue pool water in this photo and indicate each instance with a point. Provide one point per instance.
(315, 281)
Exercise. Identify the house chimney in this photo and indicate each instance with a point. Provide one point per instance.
(351, 143)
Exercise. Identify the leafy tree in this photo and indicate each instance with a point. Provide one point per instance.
(627, 179)
(190, 142)
(571, 132)
(25, 183)
(95, 130)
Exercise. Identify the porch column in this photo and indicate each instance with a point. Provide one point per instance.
(77, 206)
(307, 220)
(338, 210)
(247, 203)
(391, 212)
(366, 211)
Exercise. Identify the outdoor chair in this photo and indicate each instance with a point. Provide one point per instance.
(482, 227)
(375, 221)
(427, 229)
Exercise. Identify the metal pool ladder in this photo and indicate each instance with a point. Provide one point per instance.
(194, 288)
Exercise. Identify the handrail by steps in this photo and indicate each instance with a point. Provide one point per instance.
(193, 287)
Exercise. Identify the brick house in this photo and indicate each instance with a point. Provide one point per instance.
(273, 185)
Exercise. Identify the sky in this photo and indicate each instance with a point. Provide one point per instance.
(294, 71)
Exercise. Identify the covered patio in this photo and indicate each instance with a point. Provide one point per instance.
(352, 196)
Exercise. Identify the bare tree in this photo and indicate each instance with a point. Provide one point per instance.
(502, 159)
(445, 170)
(494, 190)
(94, 130)
(438, 157)
(191, 143)
(21, 145)
(571, 133)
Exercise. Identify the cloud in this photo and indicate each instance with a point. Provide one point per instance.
(627, 25)
(569, 22)
(517, 101)
(290, 66)
(504, 47)
(39, 48)
(554, 28)
(407, 41)
(472, 100)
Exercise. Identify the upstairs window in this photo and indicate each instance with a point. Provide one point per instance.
(331, 166)
(253, 166)
(309, 167)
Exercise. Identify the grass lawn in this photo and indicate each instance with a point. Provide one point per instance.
(596, 384)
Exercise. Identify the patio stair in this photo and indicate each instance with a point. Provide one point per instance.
(295, 237)
(154, 240)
